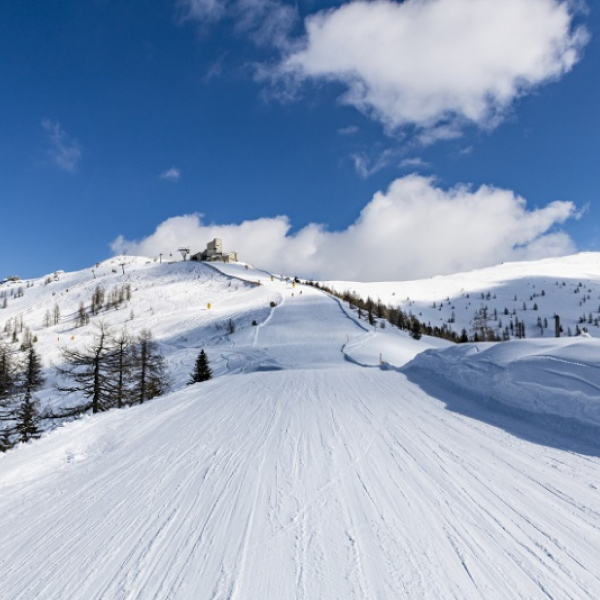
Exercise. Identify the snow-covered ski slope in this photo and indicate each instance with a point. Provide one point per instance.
(528, 291)
(303, 471)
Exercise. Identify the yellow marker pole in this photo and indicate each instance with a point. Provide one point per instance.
(209, 305)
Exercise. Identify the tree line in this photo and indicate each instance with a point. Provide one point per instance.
(373, 311)
(113, 371)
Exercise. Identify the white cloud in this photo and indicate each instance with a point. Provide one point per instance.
(204, 11)
(413, 163)
(172, 174)
(414, 229)
(437, 64)
(63, 150)
(266, 22)
(350, 130)
(216, 68)
(367, 164)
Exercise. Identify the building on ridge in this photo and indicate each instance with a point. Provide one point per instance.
(214, 253)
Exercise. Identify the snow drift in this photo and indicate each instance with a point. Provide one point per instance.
(559, 377)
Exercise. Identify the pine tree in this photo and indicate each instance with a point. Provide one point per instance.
(88, 372)
(150, 377)
(5, 441)
(32, 373)
(121, 364)
(26, 340)
(7, 374)
(97, 300)
(27, 419)
(56, 314)
(202, 370)
(415, 329)
(370, 317)
(82, 316)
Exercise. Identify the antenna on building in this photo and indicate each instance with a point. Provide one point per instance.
(184, 252)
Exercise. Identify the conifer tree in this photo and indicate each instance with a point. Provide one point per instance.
(202, 370)
(5, 441)
(87, 371)
(7, 374)
(82, 316)
(56, 314)
(26, 340)
(32, 373)
(370, 317)
(31, 379)
(415, 329)
(121, 364)
(97, 300)
(150, 377)
(27, 419)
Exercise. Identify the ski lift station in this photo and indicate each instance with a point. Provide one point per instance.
(214, 253)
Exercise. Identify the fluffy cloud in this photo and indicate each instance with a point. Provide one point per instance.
(63, 150)
(437, 64)
(415, 229)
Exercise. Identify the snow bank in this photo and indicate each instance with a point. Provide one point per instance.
(559, 377)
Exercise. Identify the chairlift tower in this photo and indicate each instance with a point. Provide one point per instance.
(184, 252)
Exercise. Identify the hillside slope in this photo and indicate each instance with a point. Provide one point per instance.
(531, 292)
(301, 474)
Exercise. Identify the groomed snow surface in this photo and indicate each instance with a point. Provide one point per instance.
(306, 469)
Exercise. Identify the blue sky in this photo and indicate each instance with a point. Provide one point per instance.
(122, 122)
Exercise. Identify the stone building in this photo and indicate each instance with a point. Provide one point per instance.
(214, 253)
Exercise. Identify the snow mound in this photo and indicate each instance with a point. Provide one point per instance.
(559, 377)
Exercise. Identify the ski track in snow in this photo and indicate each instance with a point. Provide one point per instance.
(298, 475)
